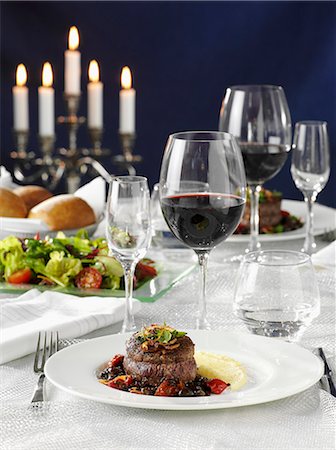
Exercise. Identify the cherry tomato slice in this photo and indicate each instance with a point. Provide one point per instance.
(21, 276)
(88, 278)
(116, 361)
(143, 271)
(217, 386)
(167, 389)
(121, 382)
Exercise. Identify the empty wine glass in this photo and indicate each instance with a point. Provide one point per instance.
(128, 230)
(276, 293)
(310, 168)
(258, 116)
(202, 190)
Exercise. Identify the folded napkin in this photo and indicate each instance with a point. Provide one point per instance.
(325, 258)
(94, 193)
(6, 179)
(23, 317)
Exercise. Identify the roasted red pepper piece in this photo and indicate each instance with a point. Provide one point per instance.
(217, 386)
(117, 360)
(167, 388)
(121, 382)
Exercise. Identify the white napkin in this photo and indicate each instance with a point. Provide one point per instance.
(6, 179)
(23, 317)
(325, 258)
(94, 193)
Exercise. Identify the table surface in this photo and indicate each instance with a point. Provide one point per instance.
(303, 421)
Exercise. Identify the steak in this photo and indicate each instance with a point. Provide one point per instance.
(153, 366)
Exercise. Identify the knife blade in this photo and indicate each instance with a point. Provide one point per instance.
(327, 380)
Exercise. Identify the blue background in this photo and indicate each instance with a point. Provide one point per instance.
(183, 56)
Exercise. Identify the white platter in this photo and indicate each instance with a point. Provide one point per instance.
(275, 370)
(324, 218)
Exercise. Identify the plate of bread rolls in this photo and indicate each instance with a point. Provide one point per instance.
(31, 209)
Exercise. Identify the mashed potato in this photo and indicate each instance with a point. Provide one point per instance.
(211, 365)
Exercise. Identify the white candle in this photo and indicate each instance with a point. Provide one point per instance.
(72, 65)
(20, 100)
(46, 102)
(95, 97)
(126, 103)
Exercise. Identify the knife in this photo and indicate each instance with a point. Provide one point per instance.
(327, 380)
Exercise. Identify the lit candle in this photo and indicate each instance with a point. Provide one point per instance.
(95, 97)
(126, 103)
(20, 100)
(72, 63)
(46, 102)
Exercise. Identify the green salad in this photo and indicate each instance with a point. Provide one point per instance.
(64, 261)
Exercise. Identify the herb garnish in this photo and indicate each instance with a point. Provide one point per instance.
(159, 334)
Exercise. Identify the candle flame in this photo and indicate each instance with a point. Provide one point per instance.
(93, 71)
(21, 75)
(47, 75)
(73, 38)
(126, 78)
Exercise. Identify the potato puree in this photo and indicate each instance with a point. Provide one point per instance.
(211, 365)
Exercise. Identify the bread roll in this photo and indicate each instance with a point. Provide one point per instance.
(64, 212)
(32, 195)
(11, 205)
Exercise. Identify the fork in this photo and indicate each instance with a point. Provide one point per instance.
(45, 352)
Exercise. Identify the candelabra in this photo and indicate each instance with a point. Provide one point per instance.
(72, 162)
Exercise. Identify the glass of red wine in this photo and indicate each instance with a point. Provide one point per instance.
(202, 194)
(258, 116)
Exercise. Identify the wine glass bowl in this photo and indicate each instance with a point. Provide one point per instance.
(202, 191)
(128, 230)
(258, 116)
(310, 168)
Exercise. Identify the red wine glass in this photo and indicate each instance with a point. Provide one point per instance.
(258, 116)
(202, 194)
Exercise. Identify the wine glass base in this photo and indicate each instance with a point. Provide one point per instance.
(128, 328)
(202, 324)
(309, 251)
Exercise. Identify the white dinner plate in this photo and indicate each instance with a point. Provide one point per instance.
(324, 219)
(275, 370)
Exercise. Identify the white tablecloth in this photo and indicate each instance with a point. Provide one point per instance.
(303, 421)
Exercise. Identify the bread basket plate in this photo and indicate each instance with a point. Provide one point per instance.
(275, 370)
(169, 273)
(29, 227)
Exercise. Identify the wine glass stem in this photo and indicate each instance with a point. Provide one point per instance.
(129, 324)
(309, 245)
(202, 322)
(254, 218)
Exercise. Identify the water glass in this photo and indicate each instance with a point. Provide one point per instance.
(276, 293)
(128, 230)
(310, 169)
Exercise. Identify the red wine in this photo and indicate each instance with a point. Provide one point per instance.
(262, 161)
(202, 220)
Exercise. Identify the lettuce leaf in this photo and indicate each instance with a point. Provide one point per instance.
(61, 269)
(12, 256)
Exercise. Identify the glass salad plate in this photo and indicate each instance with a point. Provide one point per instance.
(169, 273)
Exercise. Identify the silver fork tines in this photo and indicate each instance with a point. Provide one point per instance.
(42, 353)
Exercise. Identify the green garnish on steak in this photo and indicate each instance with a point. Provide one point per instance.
(162, 334)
